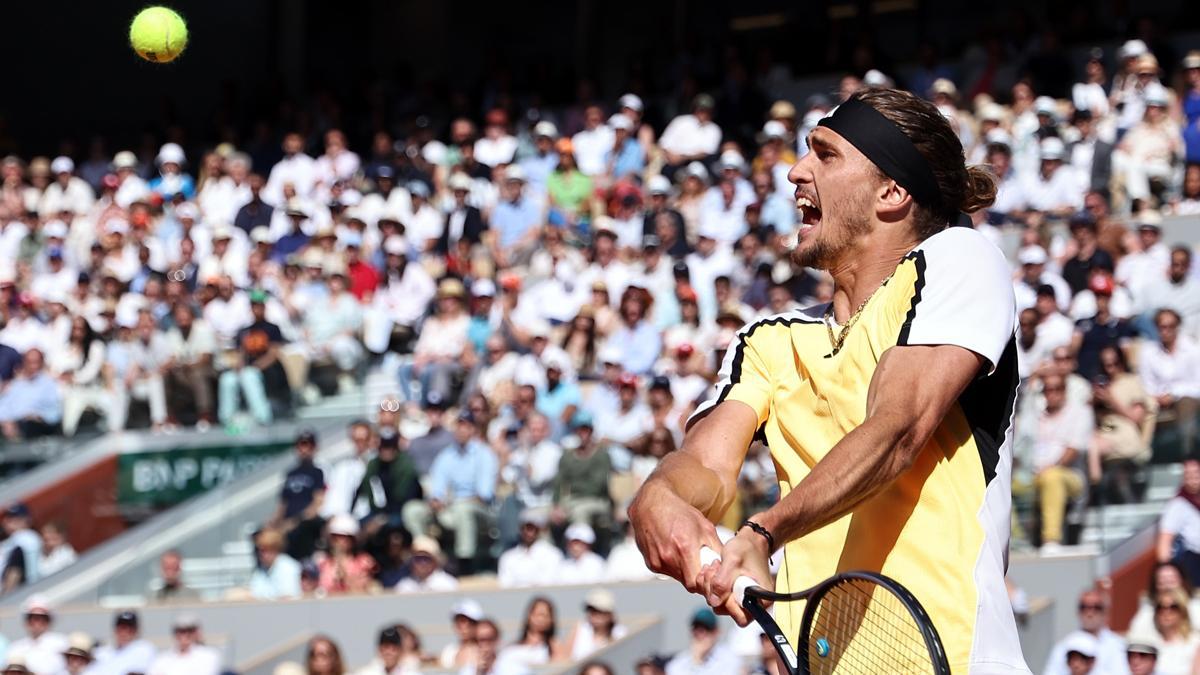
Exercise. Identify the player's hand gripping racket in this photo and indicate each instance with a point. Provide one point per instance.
(854, 622)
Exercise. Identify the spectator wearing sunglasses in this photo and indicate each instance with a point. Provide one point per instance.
(1092, 640)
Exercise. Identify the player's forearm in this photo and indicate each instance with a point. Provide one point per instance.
(691, 481)
(866, 461)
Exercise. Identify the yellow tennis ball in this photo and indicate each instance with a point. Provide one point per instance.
(158, 34)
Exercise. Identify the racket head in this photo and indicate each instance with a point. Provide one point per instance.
(867, 622)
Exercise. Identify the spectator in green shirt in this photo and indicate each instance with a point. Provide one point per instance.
(569, 190)
(581, 487)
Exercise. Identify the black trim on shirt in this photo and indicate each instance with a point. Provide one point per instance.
(735, 370)
(918, 258)
(988, 403)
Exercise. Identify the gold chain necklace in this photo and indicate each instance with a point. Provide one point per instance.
(840, 339)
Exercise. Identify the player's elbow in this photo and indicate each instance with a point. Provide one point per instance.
(907, 446)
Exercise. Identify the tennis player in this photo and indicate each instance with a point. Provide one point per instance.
(887, 412)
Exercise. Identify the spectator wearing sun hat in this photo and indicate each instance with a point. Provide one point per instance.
(425, 568)
(1055, 190)
(276, 574)
(464, 221)
(438, 354)
(344, 568)
(171, 179)
(581, 565)
(1152, 149)
(400, 302)
(67, 192)
(78, 655)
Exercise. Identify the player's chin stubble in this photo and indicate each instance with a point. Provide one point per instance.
(835, 237)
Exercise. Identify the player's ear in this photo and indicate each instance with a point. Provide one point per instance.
(892, 200)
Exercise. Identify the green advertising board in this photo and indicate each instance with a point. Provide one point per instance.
(159, 478)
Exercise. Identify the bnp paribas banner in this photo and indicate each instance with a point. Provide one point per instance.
(158, 478)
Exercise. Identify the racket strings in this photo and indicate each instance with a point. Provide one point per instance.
(861, 627)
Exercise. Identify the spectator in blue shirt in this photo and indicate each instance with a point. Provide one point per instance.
(636, 338)
(516, 220)
(461, 485)
(293, 241)
(298, 513)
(10, 361)
(30, 405)
(626, 159)
(561, 398)
(171, 180)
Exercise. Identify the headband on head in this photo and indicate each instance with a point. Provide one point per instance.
(885, 144)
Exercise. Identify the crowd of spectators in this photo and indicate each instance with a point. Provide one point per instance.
(552, 292)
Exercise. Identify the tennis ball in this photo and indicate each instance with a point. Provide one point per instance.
(158, 34)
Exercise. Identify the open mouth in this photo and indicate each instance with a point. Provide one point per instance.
(810, 213)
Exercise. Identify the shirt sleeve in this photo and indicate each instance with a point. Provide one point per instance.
(1172, 518)
(962, 296)
(745, 373)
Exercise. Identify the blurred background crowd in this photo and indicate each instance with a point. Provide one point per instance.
(550, 287)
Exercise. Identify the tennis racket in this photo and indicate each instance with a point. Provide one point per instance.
(853, 622)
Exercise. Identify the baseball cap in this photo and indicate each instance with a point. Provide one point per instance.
(385, 171)
(468, 608)
(184, 621)
(600, 599)
(1155, 95)
(1146, 63)
(782, 110)
(124, 160)
(170, 153)
(703, 101)
(1136, 647)
(389, 636)
(55, 229)
(1044, 105)
(1083, 643)
(876, 78)
(533, 517)
(991, 112)
(732, 159)
(62, 164)
(1032, 255)
(343, 524)
(418, 189)
(451, 287)
(261, 234)
(660, 382)
(658, 185)
(705, 617)
(651, 241)
(619, 121)
(258, 297)
(774, 129)
(545, 129)
(17, 510)
(631, 101)
(1132, 48)
(1101, 284)
(395, 245)
(1052, 148)
(483, 288)
(695, 170)
(306, 436)
(466, 416)
(460, 181)
(514, 173)
(126, 618)
(1192, 60)
(37, 604)
(685, 350)
(943, 85)
(581, 532)
(609, 354)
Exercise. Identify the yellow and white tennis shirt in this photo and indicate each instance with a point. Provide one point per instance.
(942, 528)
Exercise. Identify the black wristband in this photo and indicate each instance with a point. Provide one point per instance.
(759, 529)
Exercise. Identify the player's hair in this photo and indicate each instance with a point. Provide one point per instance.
(963, 189)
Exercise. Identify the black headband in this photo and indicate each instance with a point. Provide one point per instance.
(883, 143)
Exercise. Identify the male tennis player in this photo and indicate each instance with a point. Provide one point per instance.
(887, 412)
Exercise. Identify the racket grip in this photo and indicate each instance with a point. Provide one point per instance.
(709, 556)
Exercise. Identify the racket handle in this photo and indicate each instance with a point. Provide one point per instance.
(709, 556)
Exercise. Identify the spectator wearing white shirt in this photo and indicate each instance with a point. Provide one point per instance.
(276, 574)
(189, 655)
(1031, 350)
(581, 565)
(599, 627)
(131, 186)
(400, 301)
(1033, 275)
(691, 137)
(593, 143)
(342, 480)
(1178, 290)
(533, 561)
(296, 169)
(338, 163)
(1093, 625)
(1180, 521)
(1152, 150)
(426, 573)
(496, 146)
(465, 616)
(68, 192)
(1170, 370)
(625, 561)
(220, 198)
(1061, 438)
(57, 552)
(78, 654)
(423, 224)
(41, 649)
(1054, 190)
(128, 653)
